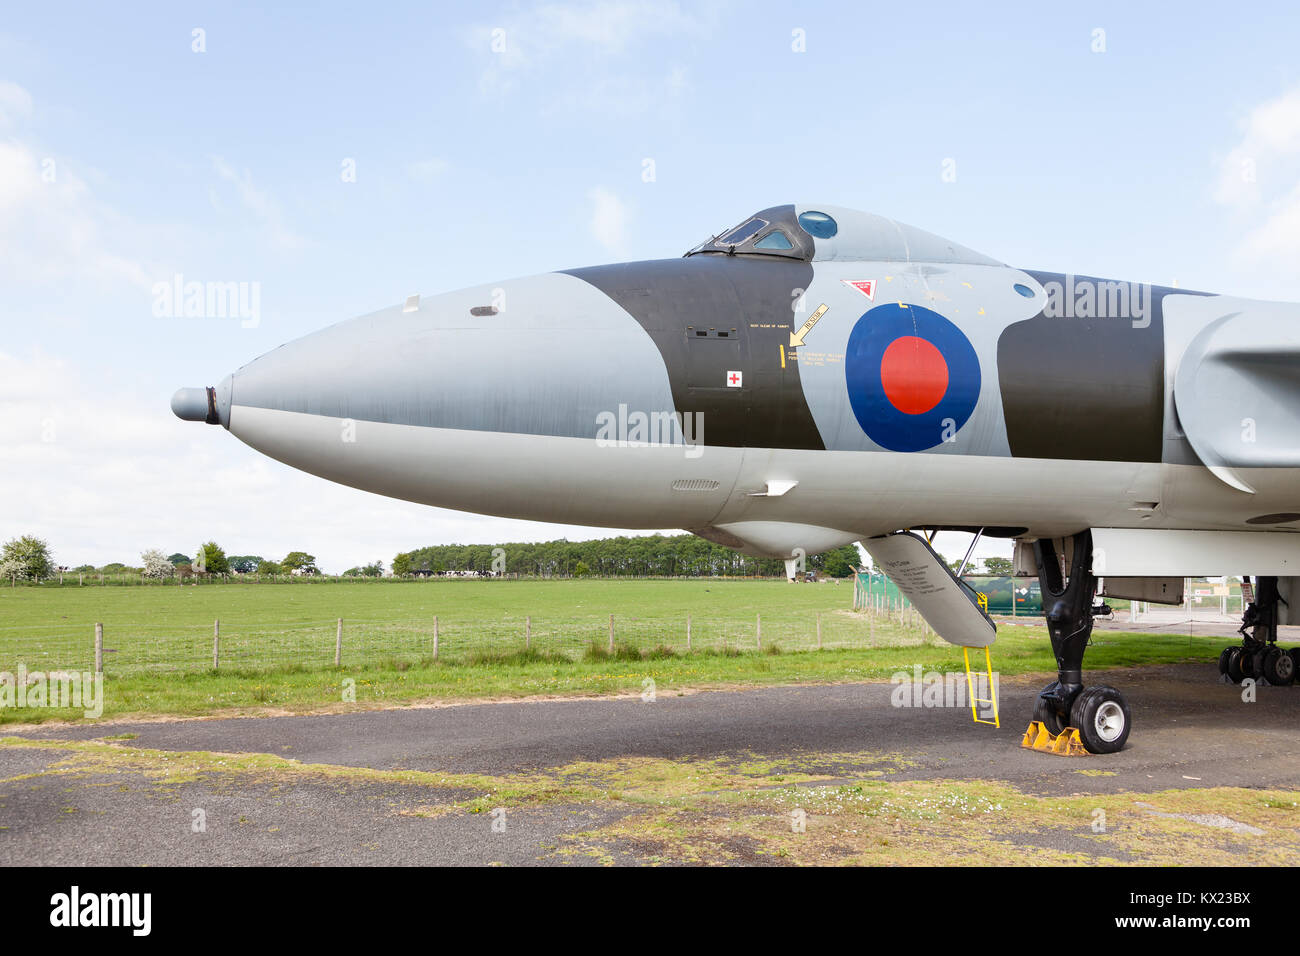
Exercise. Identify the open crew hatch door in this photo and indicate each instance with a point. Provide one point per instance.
(948, 604)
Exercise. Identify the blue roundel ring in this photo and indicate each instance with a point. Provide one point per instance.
(879, 418)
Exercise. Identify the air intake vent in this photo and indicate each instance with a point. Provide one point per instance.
(695, 484)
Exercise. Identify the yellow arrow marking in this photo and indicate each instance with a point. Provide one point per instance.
(796, 338)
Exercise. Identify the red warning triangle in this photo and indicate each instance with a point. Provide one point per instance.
(866, 286)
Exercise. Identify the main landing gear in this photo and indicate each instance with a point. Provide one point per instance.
(1100, 714)
(1259, 657)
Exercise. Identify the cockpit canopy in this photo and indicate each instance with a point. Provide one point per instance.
(824, 232)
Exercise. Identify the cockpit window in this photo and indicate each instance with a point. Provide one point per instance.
(776, 239)
(773, 233)
(742, 232)
(818, 224)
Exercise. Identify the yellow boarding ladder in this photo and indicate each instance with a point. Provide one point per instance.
(970, 689)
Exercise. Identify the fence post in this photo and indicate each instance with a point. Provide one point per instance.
(528, 632)
(611, 633)
(216, 643)
(688, 632)
(99, 648)
(338, 644)
(435, 637)
(758, 630)
(819, 630)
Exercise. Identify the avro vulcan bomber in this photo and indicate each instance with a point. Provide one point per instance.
(817, 376)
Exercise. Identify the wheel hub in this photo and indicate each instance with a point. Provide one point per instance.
(1109, 721)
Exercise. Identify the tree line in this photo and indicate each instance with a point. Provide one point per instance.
(681, 555)
(28, 558)
(658, 555)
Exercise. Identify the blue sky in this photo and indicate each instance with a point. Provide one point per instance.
(1166, 148)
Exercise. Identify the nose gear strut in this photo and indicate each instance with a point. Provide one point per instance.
(1097, 717)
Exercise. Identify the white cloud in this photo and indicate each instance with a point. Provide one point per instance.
(15, 104)
(1275, 241)
(1270, 134)
(579, 51)
(259, 202)
(619, 94)
(52, 227)
(608, 218)
(1257, 181)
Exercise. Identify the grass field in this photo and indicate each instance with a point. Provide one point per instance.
(277, 641)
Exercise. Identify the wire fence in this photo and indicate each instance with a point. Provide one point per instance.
(94, 579)
(243, 646)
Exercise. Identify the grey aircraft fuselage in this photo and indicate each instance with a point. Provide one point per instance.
(813, 377)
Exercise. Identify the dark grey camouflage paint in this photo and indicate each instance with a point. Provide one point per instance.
(712, 314)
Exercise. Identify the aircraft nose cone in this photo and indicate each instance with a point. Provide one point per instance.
(211, 405)
(191, 404)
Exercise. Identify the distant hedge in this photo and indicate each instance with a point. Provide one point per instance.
(680, 555)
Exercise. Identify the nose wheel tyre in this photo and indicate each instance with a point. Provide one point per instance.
(1045, 712)
(1102, 715)
(1223, 660)
(1278, 667)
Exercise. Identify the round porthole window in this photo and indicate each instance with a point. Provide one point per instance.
(1024, 290)
(818, 224)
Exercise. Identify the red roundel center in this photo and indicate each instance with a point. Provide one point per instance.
(914, 375)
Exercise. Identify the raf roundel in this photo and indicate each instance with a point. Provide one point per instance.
(913, 377)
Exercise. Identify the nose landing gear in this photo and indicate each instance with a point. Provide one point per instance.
(1100, 713)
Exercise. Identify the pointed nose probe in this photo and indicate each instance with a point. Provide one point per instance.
(195, 405)
(210, 405)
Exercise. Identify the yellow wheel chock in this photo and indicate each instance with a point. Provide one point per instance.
(1067, 743)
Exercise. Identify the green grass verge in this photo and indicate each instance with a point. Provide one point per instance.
(278, 640)
(273, 625)
(538, 673)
